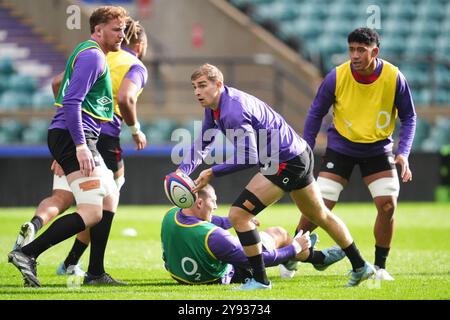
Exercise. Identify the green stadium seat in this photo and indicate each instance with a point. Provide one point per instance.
(391, 46)
(401, 27)
(431, 10)
(10, 130)
(13, 100)
(6, 66)
(401, 10)
(442, 47)
(239, 3)
(4, 82)
(426, 28)
(329, 44)
(442, 75)
(338, 26)
(314, 10)
(161, 131)
(415, 77)
(441, 97)
(278, 11)
(344, 10)
(422, 132)
(22, 83)
(35, 132)
(303, 28)
(42, 100)
(420, 47)
(439, 135)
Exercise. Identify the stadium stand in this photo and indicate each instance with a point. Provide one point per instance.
(28, 62)
(414, 36)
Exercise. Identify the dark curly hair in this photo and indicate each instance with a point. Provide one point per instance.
(364, 35)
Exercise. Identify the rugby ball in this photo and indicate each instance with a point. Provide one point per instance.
(178, 188)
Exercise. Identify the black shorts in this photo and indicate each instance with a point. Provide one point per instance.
(109, 148)
(342, 165)
(63, 150)
(296, 173)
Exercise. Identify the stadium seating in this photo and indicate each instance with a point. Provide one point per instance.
(410, 30)
(413, 34)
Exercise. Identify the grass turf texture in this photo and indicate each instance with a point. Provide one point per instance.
(419, 260)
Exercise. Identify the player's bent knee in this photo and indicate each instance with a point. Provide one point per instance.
(329, 189)
(388, 186)
(388, 208)
(63, 199)
(249, 202)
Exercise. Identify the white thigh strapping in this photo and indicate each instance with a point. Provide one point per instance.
(330, 189)
(388, 186)
(108, 180)
(61, 183)
(88, 190)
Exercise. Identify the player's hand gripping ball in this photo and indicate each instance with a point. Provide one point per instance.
(178, 188)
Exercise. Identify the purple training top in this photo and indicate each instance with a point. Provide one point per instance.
(138, 75)
(242, 112)
(89, 66)
(228, 249)
(325, 98)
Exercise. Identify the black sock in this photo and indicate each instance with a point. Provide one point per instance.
(60, 230)
(381, 255)
(354, 256)
(75, 253)
(259, 270)
(37, 223)
(99, 239)
(315, 257)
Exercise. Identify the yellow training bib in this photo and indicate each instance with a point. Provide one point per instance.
(365, 113)
(119, 63)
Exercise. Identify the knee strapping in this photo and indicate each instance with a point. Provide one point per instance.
(249, 202)
(330, 189)
(388, 186)
(249, 238)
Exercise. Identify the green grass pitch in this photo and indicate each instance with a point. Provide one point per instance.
(419, 260)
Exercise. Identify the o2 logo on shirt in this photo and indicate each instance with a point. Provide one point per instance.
(193, 265)
(383, 119)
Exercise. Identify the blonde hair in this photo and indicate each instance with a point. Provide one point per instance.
(134, 32)
(106, 14)
(211, 72)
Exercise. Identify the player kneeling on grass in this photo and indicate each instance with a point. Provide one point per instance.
(198, 249)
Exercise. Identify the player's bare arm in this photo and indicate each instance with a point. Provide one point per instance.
(126, 98)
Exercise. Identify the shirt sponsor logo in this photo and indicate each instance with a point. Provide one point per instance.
(330, 165)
